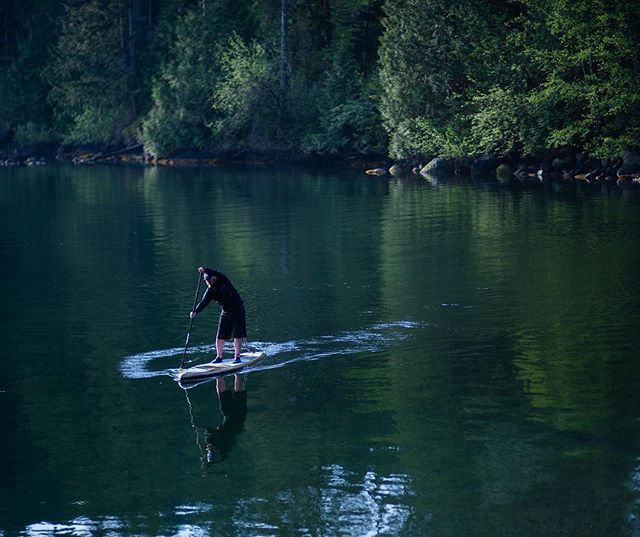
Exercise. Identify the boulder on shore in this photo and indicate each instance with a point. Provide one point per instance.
(434, 166)
(630, 157)
(522, 171)
(627, 170)
(630, 165)
(504, 172)
(485, 165)
(563, 164)
(399, 169)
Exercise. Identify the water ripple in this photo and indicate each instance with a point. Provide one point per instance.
(375, 338)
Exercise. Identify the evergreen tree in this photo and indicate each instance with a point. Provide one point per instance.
(590, 95)
(422, 72)
(436, 56)
(245, 97)
(346, 118)
(182, 91)
(89, 72)
(414, 78)
(26, 32)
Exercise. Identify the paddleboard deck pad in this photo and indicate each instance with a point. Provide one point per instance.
(208, 370)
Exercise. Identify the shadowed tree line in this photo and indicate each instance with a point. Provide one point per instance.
(408, 79)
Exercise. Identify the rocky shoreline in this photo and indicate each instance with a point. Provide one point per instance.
(565, 166)
(624, 169)
(134, 155)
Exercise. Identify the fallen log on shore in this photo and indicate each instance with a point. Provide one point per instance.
(99, 156)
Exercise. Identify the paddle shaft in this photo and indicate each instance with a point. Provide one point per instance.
(195, 301)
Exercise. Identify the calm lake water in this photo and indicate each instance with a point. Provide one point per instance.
(445, 358)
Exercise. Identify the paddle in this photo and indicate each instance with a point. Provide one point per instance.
(195, 301)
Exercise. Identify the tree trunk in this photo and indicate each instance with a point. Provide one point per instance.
(134, 9)
(284, 44)
(150, 20)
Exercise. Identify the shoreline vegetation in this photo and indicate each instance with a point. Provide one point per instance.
(528, 89)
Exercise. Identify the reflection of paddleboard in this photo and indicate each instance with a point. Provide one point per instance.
(203, 371)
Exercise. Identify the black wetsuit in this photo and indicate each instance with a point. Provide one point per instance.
(223, 292)
(232, 319)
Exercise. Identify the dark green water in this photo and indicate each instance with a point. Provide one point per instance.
(445, 360)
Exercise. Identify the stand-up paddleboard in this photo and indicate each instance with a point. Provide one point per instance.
(204, 371)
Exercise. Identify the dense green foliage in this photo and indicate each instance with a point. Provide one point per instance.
(409, 78)
(89, 82)
(181, 91)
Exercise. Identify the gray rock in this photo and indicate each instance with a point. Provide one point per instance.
(627, 170)
(504, 172)
(521, 171)
(434, 166)
(630, 157)
(398, 169)
(586, 166)
(563, 164)
(485, 165)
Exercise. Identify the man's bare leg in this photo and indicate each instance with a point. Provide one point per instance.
(220, 347)
(237, 347)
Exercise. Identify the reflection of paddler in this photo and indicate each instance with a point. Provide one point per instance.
(233, 405)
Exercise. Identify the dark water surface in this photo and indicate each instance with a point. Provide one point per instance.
(444, 359)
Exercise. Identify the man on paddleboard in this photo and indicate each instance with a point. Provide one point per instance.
(232, 317)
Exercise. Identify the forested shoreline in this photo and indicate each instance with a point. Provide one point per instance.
(529, 81)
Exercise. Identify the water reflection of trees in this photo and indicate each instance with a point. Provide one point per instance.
(517, 388)
(500, 434)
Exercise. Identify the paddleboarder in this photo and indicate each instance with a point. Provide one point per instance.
(232, 317)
